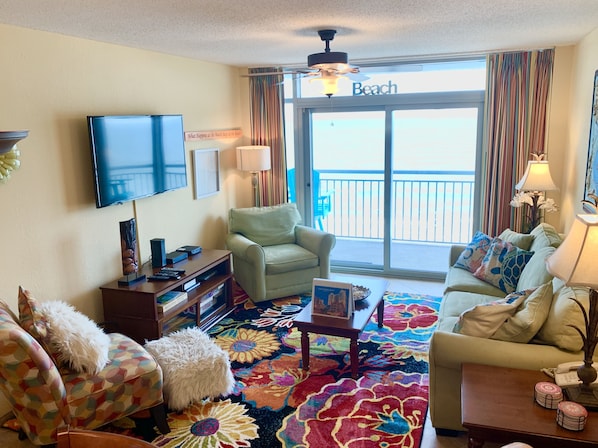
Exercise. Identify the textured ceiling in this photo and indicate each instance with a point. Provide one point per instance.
(283, 32)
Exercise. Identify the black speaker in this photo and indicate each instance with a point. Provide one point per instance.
(158, 252)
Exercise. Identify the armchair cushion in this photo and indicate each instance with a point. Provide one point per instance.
(287, 258)
(266, 226)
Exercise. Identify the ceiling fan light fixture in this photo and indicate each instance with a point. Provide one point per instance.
(329, 82)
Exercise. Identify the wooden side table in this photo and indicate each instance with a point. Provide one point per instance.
(498, 405)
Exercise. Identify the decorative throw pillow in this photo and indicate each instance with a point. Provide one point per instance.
(471, 258)
(483, 320)
(79, 342)
(521, 240)
(528, 318)
(502, 265)
(564, 313)
(30, 316)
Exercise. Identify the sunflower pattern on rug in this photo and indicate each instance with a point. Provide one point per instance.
(275, 403)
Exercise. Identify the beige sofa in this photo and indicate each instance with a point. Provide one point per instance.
(551, 342)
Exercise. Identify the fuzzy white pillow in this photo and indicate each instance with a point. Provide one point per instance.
(76, 339)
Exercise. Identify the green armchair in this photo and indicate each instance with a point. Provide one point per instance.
(273, 255)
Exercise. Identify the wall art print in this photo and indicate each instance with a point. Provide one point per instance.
(590, 200)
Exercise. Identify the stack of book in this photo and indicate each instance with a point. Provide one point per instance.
(171, 299)
(210, 299)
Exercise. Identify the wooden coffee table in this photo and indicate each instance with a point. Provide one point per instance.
(498, 405)
(347, 328)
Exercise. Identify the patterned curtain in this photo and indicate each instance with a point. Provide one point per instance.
(517, 91)
(267, 128)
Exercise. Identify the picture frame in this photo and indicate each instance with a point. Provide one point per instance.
(206, 172)
(332, 299)
(590, 200)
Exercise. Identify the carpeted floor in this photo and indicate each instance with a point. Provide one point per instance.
(277, 404)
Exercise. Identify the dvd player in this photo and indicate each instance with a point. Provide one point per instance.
(176, 256)
(191, 250)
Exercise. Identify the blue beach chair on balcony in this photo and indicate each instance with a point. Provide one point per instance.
(322, 202)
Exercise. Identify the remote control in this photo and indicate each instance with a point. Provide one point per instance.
(174, 270)
(159, 278)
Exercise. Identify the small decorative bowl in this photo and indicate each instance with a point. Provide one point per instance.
(360, 292)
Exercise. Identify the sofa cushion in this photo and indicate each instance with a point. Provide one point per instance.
(455, 302)
(502, 265)
(563, 313)
(462, 280)
(545, 235)
(521, 240)
(471, 258)
(288, 258)
(483, 320)
(266, 226)
(534, 273)
(528, 318)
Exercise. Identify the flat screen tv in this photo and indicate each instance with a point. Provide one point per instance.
(135, 156)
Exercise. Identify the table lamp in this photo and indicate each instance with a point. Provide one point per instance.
(254, 158)
(536, 179)
(574, 262)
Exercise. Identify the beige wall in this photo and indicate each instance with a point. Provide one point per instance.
(55, 242)
(584, 63)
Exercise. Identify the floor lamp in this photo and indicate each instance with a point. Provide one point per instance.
(254, 159)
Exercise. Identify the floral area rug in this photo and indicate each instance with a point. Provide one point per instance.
(276, 404)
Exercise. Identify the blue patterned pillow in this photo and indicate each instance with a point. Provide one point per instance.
(502, 265)
(471, 258)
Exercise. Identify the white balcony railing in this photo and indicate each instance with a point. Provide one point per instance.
(428, 206)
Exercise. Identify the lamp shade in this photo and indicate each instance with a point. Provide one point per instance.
(253, 158)
(574, 261)
(536, 177)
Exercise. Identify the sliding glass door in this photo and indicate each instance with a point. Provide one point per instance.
(348, 171)
(396, 185)
(393, 176)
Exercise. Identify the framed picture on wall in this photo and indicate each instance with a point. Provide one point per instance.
(206, 172)
(332, 299)
(590, 199)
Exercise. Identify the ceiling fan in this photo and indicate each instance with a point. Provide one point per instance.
(328, 67)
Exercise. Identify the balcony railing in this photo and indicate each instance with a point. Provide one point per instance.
(428, 206)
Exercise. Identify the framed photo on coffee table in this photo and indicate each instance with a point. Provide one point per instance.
(332, 299)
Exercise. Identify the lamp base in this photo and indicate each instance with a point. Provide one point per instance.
(585, 395)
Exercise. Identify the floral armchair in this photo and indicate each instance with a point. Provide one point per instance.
(45, 397)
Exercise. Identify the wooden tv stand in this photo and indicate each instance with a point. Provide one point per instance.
(132, 309)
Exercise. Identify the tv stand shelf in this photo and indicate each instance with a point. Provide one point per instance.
(132, 309)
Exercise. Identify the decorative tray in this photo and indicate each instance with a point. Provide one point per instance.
(360, 292)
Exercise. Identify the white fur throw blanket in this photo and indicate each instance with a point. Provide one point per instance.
(194, 367)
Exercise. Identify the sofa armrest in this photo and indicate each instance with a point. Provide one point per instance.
(454, 253)
(449, 351)
(245, 249)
